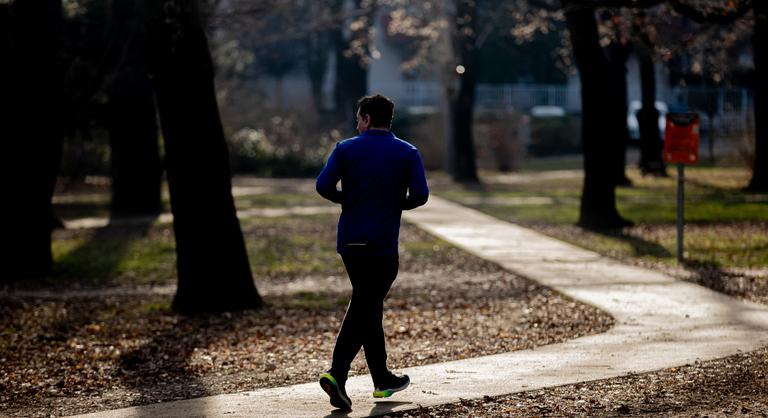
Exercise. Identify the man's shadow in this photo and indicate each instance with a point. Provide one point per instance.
(381, 408)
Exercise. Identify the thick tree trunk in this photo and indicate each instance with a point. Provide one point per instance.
(759, 181)
(461, 144)
(30, 104)
(136, 167)
(598, 197)
(213, 269)
(651, 146)
(617, 54)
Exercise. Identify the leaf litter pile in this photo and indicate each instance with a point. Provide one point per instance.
(75, 354)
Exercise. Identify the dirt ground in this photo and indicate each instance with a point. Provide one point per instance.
(66, 355)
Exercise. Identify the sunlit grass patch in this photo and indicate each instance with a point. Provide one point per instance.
(97, 260)
(163, 306)
(726, 226)
(292, 246)
(726, 245)
(280, 200)
(315, 301)
(566, 162)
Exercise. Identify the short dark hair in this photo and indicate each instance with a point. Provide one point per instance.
(379, 108)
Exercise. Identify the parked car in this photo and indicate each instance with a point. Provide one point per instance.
(634, 127)
(547, 112)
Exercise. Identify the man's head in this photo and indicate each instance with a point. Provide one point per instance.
(374, 112)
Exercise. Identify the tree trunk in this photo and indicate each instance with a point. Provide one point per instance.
(136, 167)
(759, 181)
(213, 269)
(461, 144)
(617, 54)
(317, 65)
(351, 69)
(651, 146)
(598, 197)
(30, 103)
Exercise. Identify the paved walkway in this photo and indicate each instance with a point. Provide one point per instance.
(660, 322)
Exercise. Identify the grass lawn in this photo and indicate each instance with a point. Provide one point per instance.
(97, 206)
(279, 249)
(726, 227)
(284, 247)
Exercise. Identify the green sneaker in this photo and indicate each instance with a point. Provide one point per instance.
(336, 391)
(393, 384)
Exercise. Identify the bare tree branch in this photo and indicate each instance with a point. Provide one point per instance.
(578, 5)
(720, 16)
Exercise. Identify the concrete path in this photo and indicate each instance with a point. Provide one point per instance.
(660, 322)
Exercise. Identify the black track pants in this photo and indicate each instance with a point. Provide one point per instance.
(371, 278)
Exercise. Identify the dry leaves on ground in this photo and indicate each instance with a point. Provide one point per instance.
(73, 355)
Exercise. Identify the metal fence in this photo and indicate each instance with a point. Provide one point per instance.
(731, 108)
(522, 96)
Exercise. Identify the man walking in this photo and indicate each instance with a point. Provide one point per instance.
(380, 176)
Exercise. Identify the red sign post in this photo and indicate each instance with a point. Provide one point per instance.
(681, 138)
(681, 146)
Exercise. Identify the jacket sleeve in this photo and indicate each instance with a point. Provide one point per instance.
(330, 176)
(418, 191)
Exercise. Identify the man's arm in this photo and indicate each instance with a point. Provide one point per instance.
(418, 191)
(329, 177)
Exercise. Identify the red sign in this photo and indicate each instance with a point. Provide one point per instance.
(681, 138)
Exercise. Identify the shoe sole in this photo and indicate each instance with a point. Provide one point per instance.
(329, 385)
(386, 393)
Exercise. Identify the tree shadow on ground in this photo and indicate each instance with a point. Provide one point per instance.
(169, 367)
(156, 369)
(97, 260)
(640, 247)
(711, 275)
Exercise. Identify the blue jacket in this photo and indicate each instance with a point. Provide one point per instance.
(380, 176)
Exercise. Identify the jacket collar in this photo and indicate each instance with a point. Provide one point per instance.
(377, 132)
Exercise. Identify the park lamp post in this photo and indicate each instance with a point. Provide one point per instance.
(681, 147)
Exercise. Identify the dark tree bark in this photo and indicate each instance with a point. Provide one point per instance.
(598, 197)
(318, 43)
(136, 167)
(30, 104)
(460, 141)
(351, 69)
(651, 146)
(759, 181)
(617, 54)
(213, 269)
(317, 47)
